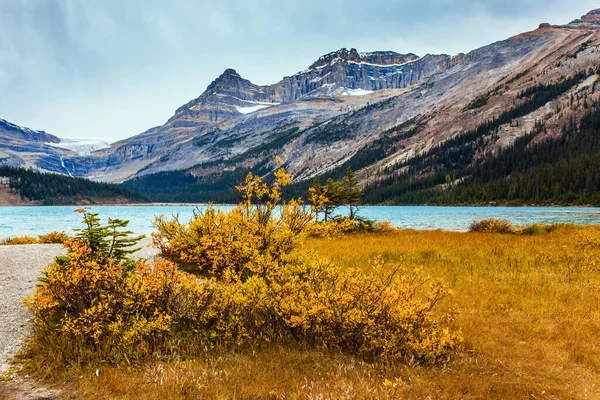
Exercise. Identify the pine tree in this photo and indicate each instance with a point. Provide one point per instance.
(350, 192)
(333, 193)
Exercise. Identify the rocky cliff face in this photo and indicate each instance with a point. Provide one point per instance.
(226, 97)
(353, 71)
(337, 73)
(376, 57)
(591, 18)
(24, 147)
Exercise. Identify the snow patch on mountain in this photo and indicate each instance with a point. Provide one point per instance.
(82, 147)
(334, 90)
(356, 92)
(251, 109)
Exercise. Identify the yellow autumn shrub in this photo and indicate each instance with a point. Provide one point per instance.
(372, 312)
(492, 225)
(338, 227)
(94, 301)
(240, 241)
(253, 282)
(20, 240)
(53, 238)
(49, 238)
(270, 287)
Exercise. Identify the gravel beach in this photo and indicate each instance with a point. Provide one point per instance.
(20, 266)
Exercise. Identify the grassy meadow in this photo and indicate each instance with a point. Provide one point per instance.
(529, 313)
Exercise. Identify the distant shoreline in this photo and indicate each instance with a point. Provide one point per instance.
(122, 205)
(158, 205)
(591, 208)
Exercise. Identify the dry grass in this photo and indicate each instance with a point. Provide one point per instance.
(529, 316)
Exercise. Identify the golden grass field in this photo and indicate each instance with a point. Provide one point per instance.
(529, 314)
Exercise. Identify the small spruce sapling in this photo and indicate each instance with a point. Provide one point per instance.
(108, 241)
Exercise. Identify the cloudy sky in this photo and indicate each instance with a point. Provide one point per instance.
(114, 68)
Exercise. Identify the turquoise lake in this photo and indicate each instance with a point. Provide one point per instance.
(16, 221)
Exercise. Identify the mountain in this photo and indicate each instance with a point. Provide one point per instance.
(412, 127)
(24, 147)
(233, 106)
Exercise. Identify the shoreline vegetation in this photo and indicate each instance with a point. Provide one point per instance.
(205, 204)
(24, 187)
(302, 303)
(20, 185)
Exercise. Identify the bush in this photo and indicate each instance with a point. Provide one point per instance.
(20, 240)
(53, 238)
(538, 229)
(254, 284)
(374, 314)
(341, 226)
(269, 287)
(238, 243)
(118, 315)
(492, 225)
(49, 238)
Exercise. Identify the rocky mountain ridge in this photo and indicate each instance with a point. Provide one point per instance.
(340, 72)
(14, 132)
(232, 101)
(591, 18)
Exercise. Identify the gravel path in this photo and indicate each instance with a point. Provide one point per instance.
(20, 266)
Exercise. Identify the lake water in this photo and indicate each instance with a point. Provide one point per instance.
(15, 221)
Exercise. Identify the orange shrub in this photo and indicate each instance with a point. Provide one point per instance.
(239, 242)
(53, 238)
(95, 302)
(341, 226)
(49, 238)
(257, 284)
(492, 225)
(268, 287)
(374, 314)
(20, 240)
